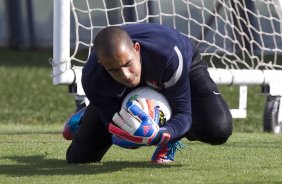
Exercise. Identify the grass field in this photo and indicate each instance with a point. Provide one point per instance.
(32, 149)
(38, 157)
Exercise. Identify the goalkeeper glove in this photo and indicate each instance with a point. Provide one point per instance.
(136, 126)
(149, 108)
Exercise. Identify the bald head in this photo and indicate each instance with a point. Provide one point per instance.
(111, 40)
(119, 56)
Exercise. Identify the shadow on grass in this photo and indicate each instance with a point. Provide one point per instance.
(39, 165)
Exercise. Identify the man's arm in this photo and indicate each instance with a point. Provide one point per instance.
(177, 91)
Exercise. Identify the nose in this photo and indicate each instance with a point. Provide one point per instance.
(125, 74)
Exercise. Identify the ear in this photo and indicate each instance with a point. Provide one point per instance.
(137, 47)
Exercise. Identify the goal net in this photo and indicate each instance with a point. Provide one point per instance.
(240, 39)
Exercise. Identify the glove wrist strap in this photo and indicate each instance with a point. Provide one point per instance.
(162, 138)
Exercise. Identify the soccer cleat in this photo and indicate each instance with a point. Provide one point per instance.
(165, 153)
(72, 124)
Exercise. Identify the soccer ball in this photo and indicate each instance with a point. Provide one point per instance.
(151, 94)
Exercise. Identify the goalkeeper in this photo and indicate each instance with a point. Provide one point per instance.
(137, 55)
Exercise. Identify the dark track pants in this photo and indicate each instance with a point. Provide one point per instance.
(211, 117)
(92, 140)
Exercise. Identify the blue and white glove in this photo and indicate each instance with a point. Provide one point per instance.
(148, 107)
(135, 126)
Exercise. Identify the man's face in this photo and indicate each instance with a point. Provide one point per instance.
(124, 66)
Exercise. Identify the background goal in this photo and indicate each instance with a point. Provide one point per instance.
(241, 40)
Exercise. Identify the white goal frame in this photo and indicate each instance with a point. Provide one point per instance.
(65, 74)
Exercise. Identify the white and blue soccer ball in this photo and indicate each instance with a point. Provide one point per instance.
(151, 94)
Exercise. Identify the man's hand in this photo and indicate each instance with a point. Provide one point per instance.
(147, 106)
(134, 125)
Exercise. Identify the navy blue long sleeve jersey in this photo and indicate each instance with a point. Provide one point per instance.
(166, 57)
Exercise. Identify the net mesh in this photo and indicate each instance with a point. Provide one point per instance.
(230, 34)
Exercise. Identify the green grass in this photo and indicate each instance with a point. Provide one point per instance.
(39, 157)
(27, 95)
(32, 149)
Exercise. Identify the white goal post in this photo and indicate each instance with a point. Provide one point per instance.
(240, 39)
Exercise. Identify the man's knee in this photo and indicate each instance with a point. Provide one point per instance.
(80, 154)
(214, 132)
(220, 133)
(75, 155)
